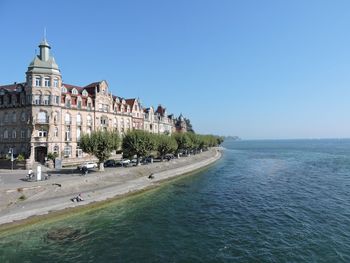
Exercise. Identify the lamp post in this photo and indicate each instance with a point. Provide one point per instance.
(12, 159)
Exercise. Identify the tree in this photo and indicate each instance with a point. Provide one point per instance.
(165, 144)
(189, 125)
(139, 143)
(184, 142)
(100, 144)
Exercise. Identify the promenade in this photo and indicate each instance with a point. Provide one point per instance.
(20, 199)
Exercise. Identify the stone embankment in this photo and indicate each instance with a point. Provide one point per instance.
(21, 200)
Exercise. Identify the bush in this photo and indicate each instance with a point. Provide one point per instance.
(21, 157)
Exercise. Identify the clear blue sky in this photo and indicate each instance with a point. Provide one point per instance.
(257, 69)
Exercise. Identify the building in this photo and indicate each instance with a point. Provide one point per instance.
(43, 114)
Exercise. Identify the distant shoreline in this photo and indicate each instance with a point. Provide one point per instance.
(49, 201)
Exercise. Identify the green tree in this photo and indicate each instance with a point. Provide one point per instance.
(100, 144)
(139, 143)
(165, 144)
(184, 142)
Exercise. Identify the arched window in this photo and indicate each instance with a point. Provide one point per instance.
(42, 117)
(63, 89)
(67, 119)
(89, 120)
(78, 119)
(85, 93)
(78, 133)
(75, 91)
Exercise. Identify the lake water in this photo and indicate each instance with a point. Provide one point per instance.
(264, 201)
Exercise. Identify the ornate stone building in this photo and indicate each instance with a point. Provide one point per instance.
(43, 115)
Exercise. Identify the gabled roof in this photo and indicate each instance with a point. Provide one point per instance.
(130, 102)
(161, 110)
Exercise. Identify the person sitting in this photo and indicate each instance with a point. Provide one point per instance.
(78, 198)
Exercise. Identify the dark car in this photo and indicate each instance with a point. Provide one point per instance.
(110, 163)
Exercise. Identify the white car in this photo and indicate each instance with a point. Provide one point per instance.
(124, 161)
(88, 165)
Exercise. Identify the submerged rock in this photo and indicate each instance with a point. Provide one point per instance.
(64, 233)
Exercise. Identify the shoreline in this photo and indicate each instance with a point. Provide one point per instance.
(98, 190)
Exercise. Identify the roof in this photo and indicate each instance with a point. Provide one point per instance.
(161, 110)
(130, 102)
(12, 87)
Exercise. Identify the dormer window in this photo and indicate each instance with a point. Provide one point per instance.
(37, 81)
(74, 91)
(63, 90)
(85, 93)
(47, 82)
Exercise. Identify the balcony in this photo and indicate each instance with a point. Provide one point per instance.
(79, 123)
(40, 139)
(42, 120)
(68, 122)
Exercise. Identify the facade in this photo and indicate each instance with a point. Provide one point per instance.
(43, 114)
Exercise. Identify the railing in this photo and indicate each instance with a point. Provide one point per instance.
(42, 120)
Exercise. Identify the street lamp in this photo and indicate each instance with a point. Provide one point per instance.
(12, 159)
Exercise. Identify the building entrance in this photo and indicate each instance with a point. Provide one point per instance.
(40, 154)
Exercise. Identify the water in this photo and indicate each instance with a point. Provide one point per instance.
(264, 201)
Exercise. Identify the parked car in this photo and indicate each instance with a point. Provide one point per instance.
(87, 165)
(124, 162)
(110, 163)
(169, 156)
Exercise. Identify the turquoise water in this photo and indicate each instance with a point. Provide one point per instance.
(264, 201)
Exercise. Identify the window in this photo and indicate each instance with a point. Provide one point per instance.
(55, 133)
(67, 118)
(29, 133)
(42, 133)
(14, 117)
(23, 134)
(79, 104)
(89, 106)
(75, 91)
(88, 131)
(55, 83)
(88, 120)
(67, 151)
(57, 99)
(68, 103)
(63, 90)
(84, 93)
(78, 119)
(78, 133)
(67, 133)
(100, 107)
(47, 82)
(42, 117)
(6, 134)
(37, 81)
(56, 149)
(14, 134)
(79, 152)
(37, 99)
(46, 99)
(105, 107)
(6, 117)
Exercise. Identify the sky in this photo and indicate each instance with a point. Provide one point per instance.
(256, 69)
